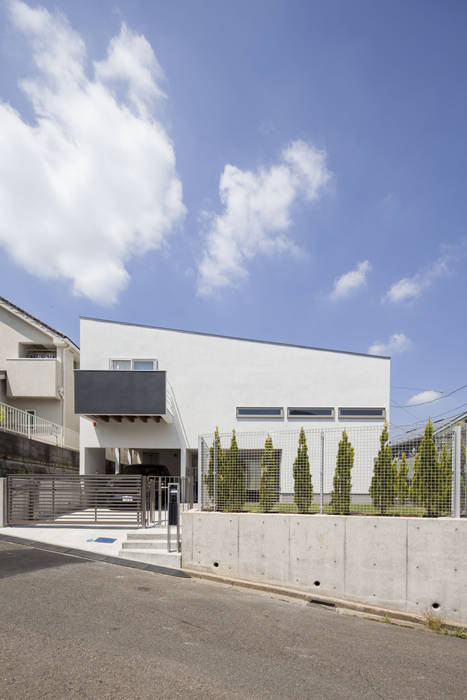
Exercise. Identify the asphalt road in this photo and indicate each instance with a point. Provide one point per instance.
(71, 628)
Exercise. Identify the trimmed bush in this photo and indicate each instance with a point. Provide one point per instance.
(236, 477)
(269, 477)
(383, 483)
(340, 498)
(402, 486)
(303, 488)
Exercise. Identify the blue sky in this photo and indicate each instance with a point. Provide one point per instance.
(336, 129)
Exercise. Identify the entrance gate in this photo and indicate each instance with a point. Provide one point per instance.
(91, 500)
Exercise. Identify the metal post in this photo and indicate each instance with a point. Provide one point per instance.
(152, 501)
(143, 501)
(53, 499)
(178, 518)
(215, 471)
(200, 473)
(321, 477)
(159, 496)
(173, 515)
(456, 472)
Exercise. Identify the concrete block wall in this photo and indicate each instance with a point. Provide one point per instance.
(18, 453)
(3, 503)
(407, 564)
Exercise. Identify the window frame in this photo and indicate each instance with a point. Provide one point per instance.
(329, 416)
(132, 360)
(259, 416)
(363, 416)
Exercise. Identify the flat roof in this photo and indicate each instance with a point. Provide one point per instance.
(232, 337)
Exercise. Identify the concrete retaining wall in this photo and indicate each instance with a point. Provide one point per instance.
(407, 564)
(19, 455)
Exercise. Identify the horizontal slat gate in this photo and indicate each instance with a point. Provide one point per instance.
(76, 500)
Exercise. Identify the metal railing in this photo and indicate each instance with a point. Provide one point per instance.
(14, 420)
(157, 496)
(351, 471)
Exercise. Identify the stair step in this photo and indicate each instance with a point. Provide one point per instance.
(144, 544)
(149, 535)
(171, 560)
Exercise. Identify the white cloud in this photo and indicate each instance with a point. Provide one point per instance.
(257, 213)
(424, 397)
(350, 281)
(409, 288)
(397, 343)
(92, 182)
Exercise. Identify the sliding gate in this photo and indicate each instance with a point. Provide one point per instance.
(76, 500)
(93, 500)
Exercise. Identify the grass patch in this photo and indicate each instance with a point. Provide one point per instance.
(355, 509)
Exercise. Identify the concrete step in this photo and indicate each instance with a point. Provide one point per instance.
(151, 535)
(172, 560)
(144, 544)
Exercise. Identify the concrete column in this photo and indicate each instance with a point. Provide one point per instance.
(3, 503)
(183, 462)
(117, 459)
(93, 460)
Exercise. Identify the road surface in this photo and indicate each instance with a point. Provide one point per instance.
(73, 628)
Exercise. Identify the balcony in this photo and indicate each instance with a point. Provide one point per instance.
(117, 394)
(32, 378)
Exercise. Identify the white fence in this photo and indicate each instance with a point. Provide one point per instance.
(13, 420)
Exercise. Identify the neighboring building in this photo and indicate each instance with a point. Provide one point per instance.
(155, 390)
(409, 441)
(36, 368)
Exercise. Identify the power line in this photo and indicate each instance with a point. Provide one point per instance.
(438, 415)
(410, 388)
(424, 403)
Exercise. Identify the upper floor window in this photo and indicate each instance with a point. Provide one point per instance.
(137, 365)
(37, 352)
(310, 413)
(361, 413)
(144, 364)
(265, 413)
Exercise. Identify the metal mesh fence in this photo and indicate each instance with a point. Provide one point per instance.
(357, 470)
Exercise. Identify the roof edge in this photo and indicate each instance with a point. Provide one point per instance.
(233, 337)
(21, 312)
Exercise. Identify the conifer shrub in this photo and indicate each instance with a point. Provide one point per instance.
(268, 495)
(236, 478)
(340, 497)
(383, 484)
(303, 487)
(427, 482)
(402, 485)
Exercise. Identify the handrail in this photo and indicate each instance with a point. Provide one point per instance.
(14, 420)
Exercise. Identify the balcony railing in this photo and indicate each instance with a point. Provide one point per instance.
(13, 420)
(121, 393)
(32, 377)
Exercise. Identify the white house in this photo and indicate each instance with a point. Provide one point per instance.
(36, 368)
(154, 390)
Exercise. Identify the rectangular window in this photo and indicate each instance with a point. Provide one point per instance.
(137, 365)
(361, 413)
(250, 460)
(266, 413)
(310, 413)
(31, 419)
(143, 365)
(121, 364)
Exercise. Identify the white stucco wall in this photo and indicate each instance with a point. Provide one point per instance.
(37, 382)
(211, 376)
